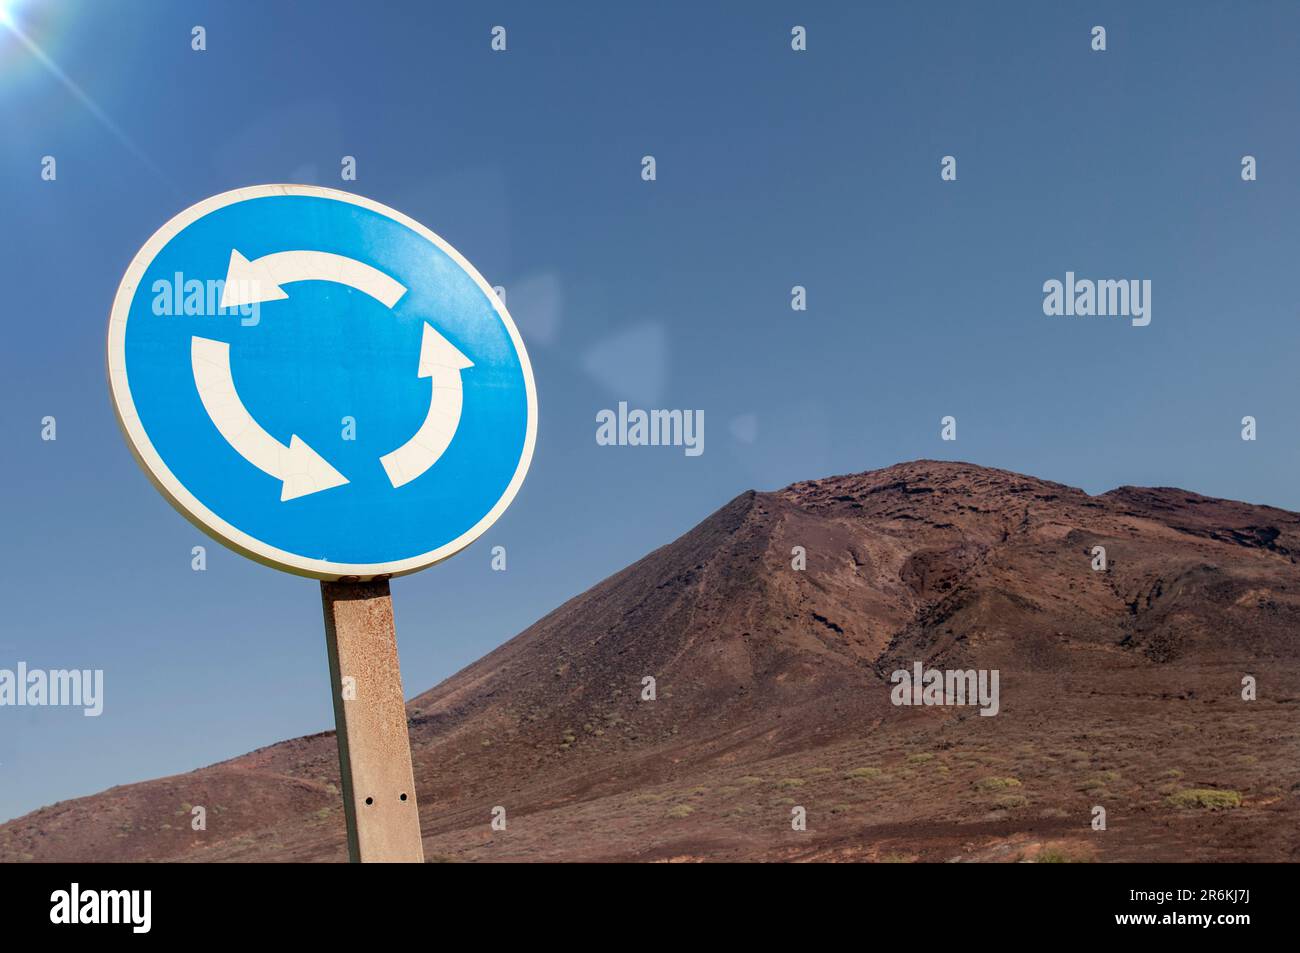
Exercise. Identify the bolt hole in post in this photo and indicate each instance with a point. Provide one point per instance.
(370, 800)
(403, 797)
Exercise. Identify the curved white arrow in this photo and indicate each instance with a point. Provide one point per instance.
(248, 282)
(301, 469)
(440, 360)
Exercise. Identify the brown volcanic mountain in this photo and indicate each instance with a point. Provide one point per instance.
(1120, 689)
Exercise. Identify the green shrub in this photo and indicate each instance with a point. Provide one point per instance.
(1055, 855)
(997, 784)
(1209, 798)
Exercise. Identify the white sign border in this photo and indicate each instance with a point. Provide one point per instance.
(151, 462)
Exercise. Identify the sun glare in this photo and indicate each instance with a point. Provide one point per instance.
(7, 8)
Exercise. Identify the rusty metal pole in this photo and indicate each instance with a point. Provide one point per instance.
(370, 714)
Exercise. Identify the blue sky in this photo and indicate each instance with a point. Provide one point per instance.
(774, 169)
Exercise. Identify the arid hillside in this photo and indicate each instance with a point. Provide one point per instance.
(1119, 689)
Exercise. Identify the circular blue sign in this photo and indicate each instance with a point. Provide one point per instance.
(320, 382)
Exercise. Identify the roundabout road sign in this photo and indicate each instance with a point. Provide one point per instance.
(320, 382)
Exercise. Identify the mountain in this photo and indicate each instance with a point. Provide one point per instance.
(1119, 689)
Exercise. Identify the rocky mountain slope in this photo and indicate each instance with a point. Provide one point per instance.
(1119, 689)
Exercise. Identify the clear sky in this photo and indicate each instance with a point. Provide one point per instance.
(774, 169)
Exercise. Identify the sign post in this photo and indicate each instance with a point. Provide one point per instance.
(327, 387)
(370, 712)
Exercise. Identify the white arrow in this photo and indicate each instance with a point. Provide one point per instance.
(248, 282)
(301, 469)
(440, 360)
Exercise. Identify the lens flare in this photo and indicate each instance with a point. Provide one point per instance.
(24, 41)
(22, 20)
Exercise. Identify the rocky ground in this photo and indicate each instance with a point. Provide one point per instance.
(1119, 689)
